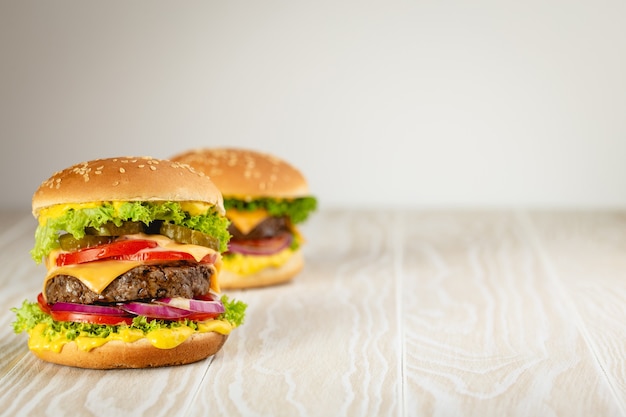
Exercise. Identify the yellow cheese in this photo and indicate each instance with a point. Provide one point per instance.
(161, 338)
(245, 221)
(98, 275)
(165, 243)
(95, 275)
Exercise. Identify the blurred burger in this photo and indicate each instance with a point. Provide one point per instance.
(132, 248)
(265, 199)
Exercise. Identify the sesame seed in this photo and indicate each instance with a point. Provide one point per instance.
(122, 170)
(152, 167)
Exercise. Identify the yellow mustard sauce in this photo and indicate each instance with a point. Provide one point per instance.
(87, 343)
(194, 208)
(169, 338)
(38, 342)
(58, 210)
(161, 338)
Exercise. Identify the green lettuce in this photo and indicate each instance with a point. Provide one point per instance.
(297, 209)
(30, 315)
(75, 221)
(234, 311)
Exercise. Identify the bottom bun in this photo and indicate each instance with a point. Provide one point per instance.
(265, 277)
(140, 354)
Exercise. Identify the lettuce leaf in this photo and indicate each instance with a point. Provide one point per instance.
(297, 209)
(235, 311)
(75, 221)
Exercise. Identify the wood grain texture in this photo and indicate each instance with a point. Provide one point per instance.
(488, 329)
(400, 313)
(587, 252)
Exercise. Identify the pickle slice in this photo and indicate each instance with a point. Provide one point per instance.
(111, 229)
(70, 243)
(184, 234)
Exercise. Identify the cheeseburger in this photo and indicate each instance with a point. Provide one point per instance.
(265, 199)
(132, 248)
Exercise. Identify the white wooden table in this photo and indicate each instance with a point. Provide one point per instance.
(404, 313)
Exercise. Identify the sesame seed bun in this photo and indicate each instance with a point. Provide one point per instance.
(247, 174)
(129, 179)
(140, 354)
(243, 174)
(126, 179)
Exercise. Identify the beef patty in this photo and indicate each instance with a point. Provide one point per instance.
(180, 279)
(270, 227)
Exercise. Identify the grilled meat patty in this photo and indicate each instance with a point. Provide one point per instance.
(179, 279)
(269, 227)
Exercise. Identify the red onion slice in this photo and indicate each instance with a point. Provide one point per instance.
(197, 306)
(88, 309)
(267, 246)
(155, 311)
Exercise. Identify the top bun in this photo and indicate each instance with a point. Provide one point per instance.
(127, 179)
(247, 174)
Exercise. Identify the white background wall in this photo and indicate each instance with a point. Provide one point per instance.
(422, 103)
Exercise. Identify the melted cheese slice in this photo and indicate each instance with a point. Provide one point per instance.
(245, 221)
(98, 275)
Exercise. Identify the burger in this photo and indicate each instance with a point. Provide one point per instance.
(132, 248)
(265, 198)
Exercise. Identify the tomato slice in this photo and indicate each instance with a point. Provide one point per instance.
(164, 255)
(105, 251)
(45, 307)
(159, 255)
(201, 316)
(90, 318)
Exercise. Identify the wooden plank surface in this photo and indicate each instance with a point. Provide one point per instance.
(401, 313)
(488, 328)
(587, 252)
